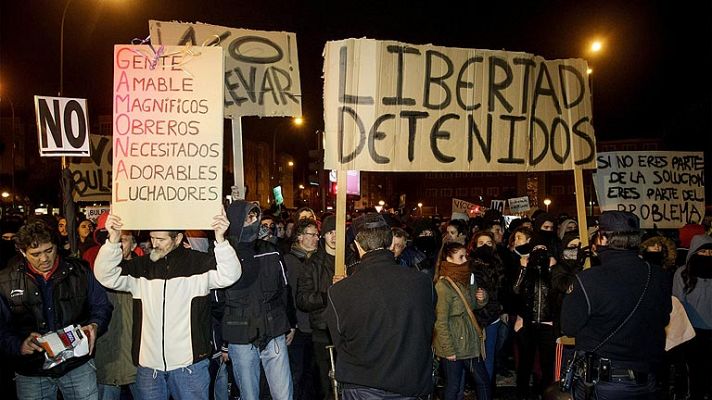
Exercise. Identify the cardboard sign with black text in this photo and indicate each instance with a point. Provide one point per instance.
(665, 189)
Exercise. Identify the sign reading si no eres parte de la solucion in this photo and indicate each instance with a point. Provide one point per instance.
(392, 106)
(665, 189)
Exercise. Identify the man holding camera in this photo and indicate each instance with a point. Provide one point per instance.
(618, 312)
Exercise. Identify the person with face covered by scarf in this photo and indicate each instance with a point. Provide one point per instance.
(456, 340)
(257, 325)
(692, 285)
(545, 230)
(537, 316)
(563, 274)
(489, 275)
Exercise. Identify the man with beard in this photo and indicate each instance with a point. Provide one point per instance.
(171, 289)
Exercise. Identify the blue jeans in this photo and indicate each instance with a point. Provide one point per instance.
(246, 360)
(492, 334)
(191, 382)
(77, 384)
(111, 392)
(455, 375)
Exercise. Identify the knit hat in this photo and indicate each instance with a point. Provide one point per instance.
(687, 232)
(568, 237)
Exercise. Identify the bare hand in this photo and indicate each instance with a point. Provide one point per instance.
(480, 295)
(337, 278)
(220, 225)
(451, 358)
(90, 330)
(290, 336)
(113, 226)
(29, 346)
(523, 261)
(225, 356)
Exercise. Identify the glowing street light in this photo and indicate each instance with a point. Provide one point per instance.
(589, 71)
(420, 209)
(547, 203)
(596, 46)
(298, 121)
(290, 163)
(5, 195)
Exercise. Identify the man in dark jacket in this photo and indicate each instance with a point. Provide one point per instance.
(312, 287)
(381, 320)
(619, 311)
(43, 293)
(256, 325)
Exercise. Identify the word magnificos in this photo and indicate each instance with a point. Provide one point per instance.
(393, 106)
(167, 142)
(261, 68)
(665, 189)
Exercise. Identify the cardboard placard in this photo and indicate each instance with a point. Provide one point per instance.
(92, 175)
(168, 137)
(519, 204)
(261, 68)
(62, 126)
(392, 106)
(665, 189)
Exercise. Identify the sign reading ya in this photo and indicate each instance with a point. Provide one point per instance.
(62, 126)
(393, 106)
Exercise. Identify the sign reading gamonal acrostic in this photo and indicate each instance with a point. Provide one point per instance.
(261, 68)
(665, 189)
(393, 106)
(62, 126)
(92, 175)
(168, 136)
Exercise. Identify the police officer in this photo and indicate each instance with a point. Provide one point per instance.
(618, 312)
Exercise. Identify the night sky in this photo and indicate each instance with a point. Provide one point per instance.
(653, 78)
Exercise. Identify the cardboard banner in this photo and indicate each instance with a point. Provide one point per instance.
(92, 175)
(519, 204)
(497, 205)
(392, 106)
(62, 126)
(168, 137)
(261, 68)
(462, 206)
(93, 212)
(665, 189)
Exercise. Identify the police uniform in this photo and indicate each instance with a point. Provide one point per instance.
(601, 300)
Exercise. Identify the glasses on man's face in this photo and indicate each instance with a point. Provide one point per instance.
(314, 235)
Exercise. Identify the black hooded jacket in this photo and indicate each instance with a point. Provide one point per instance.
(256, 305)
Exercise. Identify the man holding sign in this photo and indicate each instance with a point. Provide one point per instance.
(171, 288)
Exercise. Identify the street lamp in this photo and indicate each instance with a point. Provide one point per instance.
(420, 209)
(61, 49)
(547, 203)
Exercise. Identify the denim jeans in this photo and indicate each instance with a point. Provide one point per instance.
(111, 392)
(191, 382)
(455, 375)
(246, 360)
(77, 384)
(492, 334)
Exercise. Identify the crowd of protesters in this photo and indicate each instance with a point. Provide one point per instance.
(498, 295)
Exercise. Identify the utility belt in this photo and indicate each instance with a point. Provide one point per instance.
(591, 369)
(600, 369)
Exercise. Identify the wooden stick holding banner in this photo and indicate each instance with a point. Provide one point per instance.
(340, 268)
(581, 211)
(238, 168)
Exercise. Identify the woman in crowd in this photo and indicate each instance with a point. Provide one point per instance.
(489, 275)
(456, 338)
(692, 285)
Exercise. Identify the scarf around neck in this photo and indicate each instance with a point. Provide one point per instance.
(460, 273)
